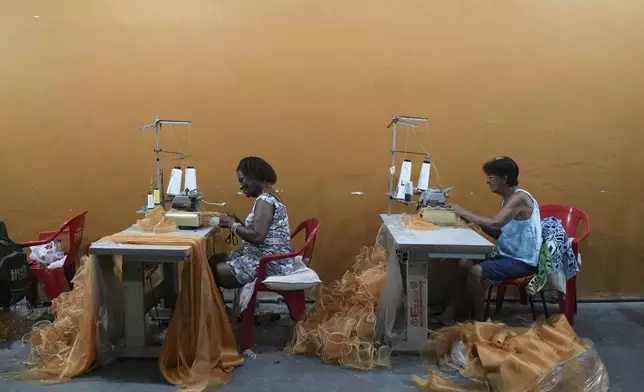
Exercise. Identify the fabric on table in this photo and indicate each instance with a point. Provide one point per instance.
(199, 347)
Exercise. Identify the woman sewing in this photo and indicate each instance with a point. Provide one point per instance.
(265, 232)
(517, 230)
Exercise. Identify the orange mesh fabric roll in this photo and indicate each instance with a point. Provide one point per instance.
(341, 326)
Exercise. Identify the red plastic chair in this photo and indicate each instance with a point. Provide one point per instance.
(500, 295)
(54, 279)
(295, 299)
(570, 218)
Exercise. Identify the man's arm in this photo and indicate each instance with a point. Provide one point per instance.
(491, 232)
(492, 226)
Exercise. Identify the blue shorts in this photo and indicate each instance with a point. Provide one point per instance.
(501, 269)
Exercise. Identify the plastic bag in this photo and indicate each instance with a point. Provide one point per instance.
(548, 357)
(16, 320)
(46, 254)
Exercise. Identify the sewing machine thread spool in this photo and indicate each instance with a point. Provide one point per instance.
(150, 203)
(191, 178)
(405, 177)
(174, 185)
(409, 190)
(423, 178)
(157, 196)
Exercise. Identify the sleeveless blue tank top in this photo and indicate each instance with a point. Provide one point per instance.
(521, 239)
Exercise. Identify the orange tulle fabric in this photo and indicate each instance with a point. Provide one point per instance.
(416, 222)
(199, 347)
(67, 347)
(340, 328)
(494, 356)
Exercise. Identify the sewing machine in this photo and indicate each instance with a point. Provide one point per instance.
(433, 197)
(186, 211)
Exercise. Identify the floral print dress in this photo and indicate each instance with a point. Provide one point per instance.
(243, 262)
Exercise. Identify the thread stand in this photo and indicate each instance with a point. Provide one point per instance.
(404, 120)
(158, 123)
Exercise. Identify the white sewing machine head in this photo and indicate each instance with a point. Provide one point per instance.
(434, 197)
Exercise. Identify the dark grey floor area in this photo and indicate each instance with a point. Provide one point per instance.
(616, 328)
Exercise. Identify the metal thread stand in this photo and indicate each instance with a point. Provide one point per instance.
(157, 126)
(405, 120)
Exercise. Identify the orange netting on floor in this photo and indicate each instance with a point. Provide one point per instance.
(67, 347)
(481, 357)
(341, 326)
(199, 347)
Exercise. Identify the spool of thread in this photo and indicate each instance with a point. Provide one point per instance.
(150, 203)
(157, 197)
(409, 190)
(174, 185)
(423, 178)
(405, 177)
(191, 178)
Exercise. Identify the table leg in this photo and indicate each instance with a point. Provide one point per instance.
(416, 283)
(392, 297)
(134, 304)
(170, 285)
(109, 318)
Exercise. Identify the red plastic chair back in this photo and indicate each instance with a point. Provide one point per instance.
(54, 279)
(570, 217)
(74, 228)
(75, 225)
(310, 227)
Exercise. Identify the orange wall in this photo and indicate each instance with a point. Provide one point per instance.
(557, 84)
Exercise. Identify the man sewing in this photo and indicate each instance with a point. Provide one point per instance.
(517, 230)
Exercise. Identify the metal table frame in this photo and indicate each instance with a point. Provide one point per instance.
(415, 249)
(136, 304)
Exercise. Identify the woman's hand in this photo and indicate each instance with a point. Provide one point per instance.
(226, 221)
(236, 218)
(458, 210)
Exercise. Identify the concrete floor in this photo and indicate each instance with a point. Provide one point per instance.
(616, 329)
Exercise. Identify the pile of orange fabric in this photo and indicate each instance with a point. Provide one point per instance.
(546, 357)
(341, 326)
(199, 347)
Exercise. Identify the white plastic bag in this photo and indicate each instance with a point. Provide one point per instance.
(43, 253)
(46, 254)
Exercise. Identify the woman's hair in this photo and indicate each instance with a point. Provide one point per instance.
(257, 169)
(503, 167)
